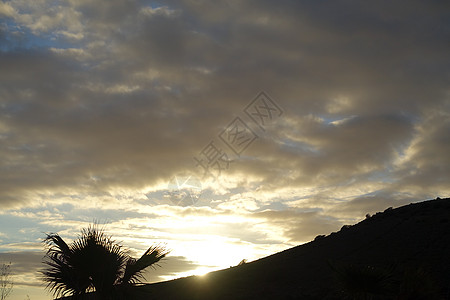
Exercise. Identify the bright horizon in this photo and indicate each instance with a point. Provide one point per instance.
(224, 131)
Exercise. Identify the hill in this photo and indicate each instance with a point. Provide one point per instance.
(401, 253)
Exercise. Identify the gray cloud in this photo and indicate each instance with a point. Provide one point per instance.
(300, 226)
(103, 103)
(28, 265)
(24, 263)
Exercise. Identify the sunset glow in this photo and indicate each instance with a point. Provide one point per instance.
(225, 131)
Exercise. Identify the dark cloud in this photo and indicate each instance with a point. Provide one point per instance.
(103, 103)
(424, 167)
(300, 226)
(372, 203)
(26, 264)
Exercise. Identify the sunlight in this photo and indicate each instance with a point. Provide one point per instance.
(201, 271)
(215, 251)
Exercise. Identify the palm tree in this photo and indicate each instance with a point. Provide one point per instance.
(94, 262)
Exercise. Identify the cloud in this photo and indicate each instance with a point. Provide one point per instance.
(300, 226)
(372, 203)
(24, 267)
(422, 166)
(169, 267)
(102, 104)
(7, 10)
(125, 112)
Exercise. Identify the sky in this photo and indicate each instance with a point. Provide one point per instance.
(225, 130)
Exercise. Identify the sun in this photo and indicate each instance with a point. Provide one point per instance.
(200, 272)
(203, 271)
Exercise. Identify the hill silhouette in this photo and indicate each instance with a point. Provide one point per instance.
(401, 253)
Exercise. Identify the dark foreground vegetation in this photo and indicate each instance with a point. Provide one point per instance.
(94, 262)
(400, 253)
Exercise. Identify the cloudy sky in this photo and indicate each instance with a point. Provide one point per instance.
(226, 130)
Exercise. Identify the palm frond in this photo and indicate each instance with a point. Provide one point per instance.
(60, 276)
(93, 262)
(134, 268)
(100, 257)
(56, 245)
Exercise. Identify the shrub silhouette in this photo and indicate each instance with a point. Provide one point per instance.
(368, 282)
(242, 262)
(418, 284)
(94, 262)
(364, 282)
(6, 283)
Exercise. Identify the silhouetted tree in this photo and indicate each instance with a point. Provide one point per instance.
(93, 262)
(242, 262)
(6, 283)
